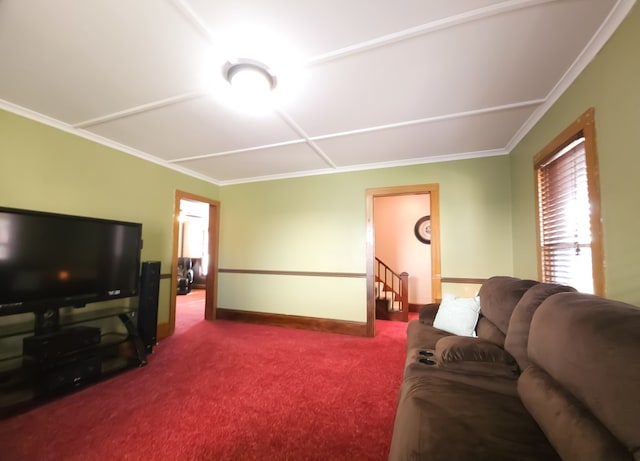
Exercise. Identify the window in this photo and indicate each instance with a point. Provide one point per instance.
(568, 209)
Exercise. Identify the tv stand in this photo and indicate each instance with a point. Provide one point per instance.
(134, 337)
(60, 350)
(46, 321)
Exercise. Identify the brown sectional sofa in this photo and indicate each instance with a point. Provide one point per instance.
(552, 375)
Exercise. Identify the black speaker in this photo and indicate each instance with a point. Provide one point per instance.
(148, 305)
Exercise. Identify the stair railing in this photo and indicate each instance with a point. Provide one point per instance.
(394, 282)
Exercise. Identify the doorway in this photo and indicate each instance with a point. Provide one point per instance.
(195, 249)
(434, 245)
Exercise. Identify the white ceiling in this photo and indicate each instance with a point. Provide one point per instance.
(361, 83)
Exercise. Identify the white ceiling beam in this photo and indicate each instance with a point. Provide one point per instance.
(370, 166)
(310, 140)
(295, 127)
(192, 17)
(437, 118)
(139, 109)
(237, 151)
(429, 27)
(200, 26)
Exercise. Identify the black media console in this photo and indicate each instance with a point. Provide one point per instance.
(57, 351)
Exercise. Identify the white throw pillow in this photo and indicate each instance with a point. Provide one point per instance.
(458, 315)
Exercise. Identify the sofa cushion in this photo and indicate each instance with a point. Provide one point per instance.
(458, 315)
(590, 346)
(518, 332)
(489, 332)
(443, 420)
(499, 296)
(573, 431)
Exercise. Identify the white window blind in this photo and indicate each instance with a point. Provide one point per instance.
(564, 217)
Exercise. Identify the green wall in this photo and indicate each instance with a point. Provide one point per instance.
(318, 224)
(43, 168)
(610, 84)
(311, 224)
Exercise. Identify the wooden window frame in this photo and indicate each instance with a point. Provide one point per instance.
(584, 125)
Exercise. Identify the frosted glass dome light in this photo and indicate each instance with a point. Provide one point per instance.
(249, 77)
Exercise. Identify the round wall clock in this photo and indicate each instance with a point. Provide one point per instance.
(422, 229)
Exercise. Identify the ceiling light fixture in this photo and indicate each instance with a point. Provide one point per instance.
(250, 77)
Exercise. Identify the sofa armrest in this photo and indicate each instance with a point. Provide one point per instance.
(428, 313)
(474, 356)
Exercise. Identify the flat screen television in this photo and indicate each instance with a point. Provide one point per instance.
(50, 260)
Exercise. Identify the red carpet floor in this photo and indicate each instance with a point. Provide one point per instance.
(189, 309)
(229, 391)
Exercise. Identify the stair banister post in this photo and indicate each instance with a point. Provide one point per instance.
(404, 279)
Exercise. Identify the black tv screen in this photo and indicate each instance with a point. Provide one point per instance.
(51, 260)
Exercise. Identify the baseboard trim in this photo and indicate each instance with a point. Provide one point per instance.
(294, 321)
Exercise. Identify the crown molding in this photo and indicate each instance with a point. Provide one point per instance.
(54, 123)
(371, 166)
